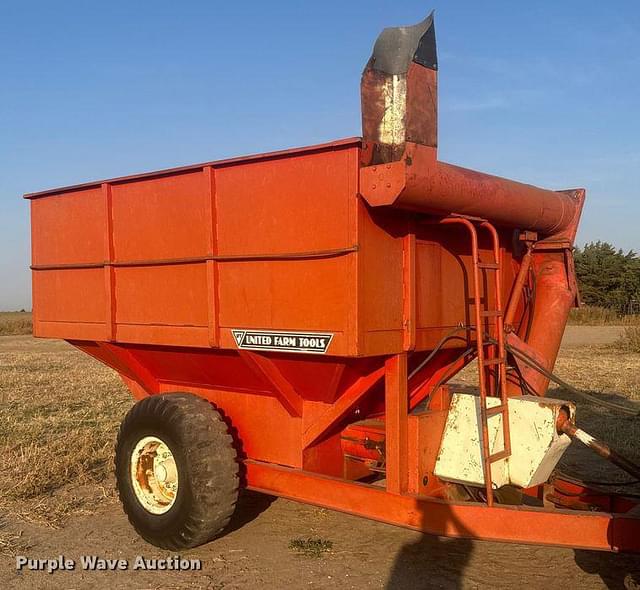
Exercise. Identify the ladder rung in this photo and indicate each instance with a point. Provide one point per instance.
(499, 455)
(491, 313)
(499, 409)
(495, 361)
(489, 265)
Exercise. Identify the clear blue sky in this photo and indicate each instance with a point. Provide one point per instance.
(545, 92)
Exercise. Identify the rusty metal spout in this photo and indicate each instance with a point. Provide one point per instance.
(399, 91)
(399, 96)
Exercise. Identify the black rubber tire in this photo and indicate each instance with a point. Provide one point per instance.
(207, 467)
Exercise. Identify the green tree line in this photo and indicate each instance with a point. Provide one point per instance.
(608, 277)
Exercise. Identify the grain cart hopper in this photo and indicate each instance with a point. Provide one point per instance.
(289, 323)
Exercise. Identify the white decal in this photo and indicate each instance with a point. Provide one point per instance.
(310, 342)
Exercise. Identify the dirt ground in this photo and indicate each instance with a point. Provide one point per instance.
(47, 376)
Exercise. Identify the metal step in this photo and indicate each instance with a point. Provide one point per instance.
(499, 455)
(494, 361)
(491, 313)
(495, 410)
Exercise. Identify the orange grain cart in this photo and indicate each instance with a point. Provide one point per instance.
(289, 322)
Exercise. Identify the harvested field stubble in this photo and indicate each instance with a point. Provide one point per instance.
(630, 339)
(59, 415)
(13, 323)
(614, 376)
(602, 369)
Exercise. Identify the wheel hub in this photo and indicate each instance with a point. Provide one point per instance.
(154, 475)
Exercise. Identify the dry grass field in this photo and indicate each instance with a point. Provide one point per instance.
(13, 323)
(587, 315)
(59, 414)
(57, 423)
(629, 338)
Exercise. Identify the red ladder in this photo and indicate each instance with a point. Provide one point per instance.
(491, 352)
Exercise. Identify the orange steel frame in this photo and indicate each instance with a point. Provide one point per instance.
(150, 274)
(569, 528)
(399, 501)
(395, 504)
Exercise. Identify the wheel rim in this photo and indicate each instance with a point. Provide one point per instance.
(154, 475)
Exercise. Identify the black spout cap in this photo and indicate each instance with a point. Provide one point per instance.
(397, 47)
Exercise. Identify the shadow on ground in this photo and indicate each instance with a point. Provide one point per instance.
(433, 562)
(616, 571)
(250, 505)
